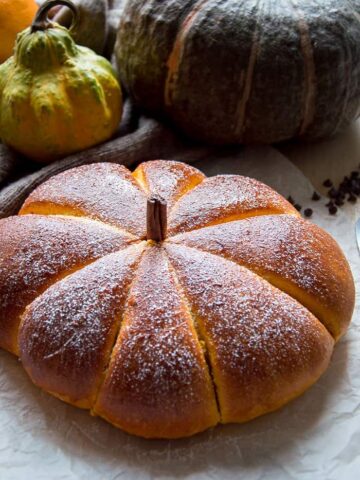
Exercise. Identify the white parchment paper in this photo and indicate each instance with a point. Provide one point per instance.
(317, 436)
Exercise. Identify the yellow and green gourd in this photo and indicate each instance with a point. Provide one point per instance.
(56, 97)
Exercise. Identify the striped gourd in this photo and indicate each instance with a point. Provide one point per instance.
(244, 71)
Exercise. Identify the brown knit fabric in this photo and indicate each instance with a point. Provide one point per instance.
(138, 139)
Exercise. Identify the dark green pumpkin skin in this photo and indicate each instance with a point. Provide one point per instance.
(244, 71)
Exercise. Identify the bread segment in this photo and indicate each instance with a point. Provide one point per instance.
(291, 253)
(36, 251)
(102, 191)
(225, 198)
(169, 180)
(264, 347)
(157, 383)
(67, 333)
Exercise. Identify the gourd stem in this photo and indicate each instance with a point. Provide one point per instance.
(156, 219)
(41, 20)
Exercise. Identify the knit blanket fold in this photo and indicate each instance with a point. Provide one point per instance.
(138, 139)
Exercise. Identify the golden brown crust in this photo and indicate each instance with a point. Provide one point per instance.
(225, 198)
(36, 251)
(134, 342)
(169, 180)
(67, 333)
(102, 191)
(264, 347)
(291, 253)
(157, 384)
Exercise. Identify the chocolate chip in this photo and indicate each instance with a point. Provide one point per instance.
(333, 193)
(348, 190)
(308, 212)
(315, 197)
(298, 207)
(328, 183)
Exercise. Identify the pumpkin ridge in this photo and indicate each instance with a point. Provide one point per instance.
(292, 254)
(199, 332)
(309, 71)
(104, 191)
(157, 359)
(174, 60)
(60, 337)
(266, 280)
(57, 278)
(68, 272)
(298, 87)
(249, 75)
(117, 333)
(348, 71)
(220, 310)
(51, 104)
(187, 179)
(202, 207)
(183, 192)
(34, 274)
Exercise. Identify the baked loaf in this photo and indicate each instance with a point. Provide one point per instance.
(167, 302)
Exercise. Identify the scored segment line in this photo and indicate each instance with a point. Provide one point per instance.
(63, 276)
(256, 274)
(234, 218)
(72, 213)
(143, 184)
(201, 336)
(117, 332)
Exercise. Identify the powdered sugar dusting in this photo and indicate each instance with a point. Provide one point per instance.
(262, 343)
(169, 179)
(283, 248)
(224, 198)
(67, 333)
(35, 250)
(103, 191)
(264, 347)
(157, 356)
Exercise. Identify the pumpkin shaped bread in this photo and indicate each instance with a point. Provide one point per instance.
(167, 302)
(249, 71)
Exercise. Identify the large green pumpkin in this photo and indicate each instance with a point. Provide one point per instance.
(244, 71)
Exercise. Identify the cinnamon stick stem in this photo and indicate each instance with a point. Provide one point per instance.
(156, 219)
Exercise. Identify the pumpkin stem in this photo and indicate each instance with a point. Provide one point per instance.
(156, 219)
(41, 20)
